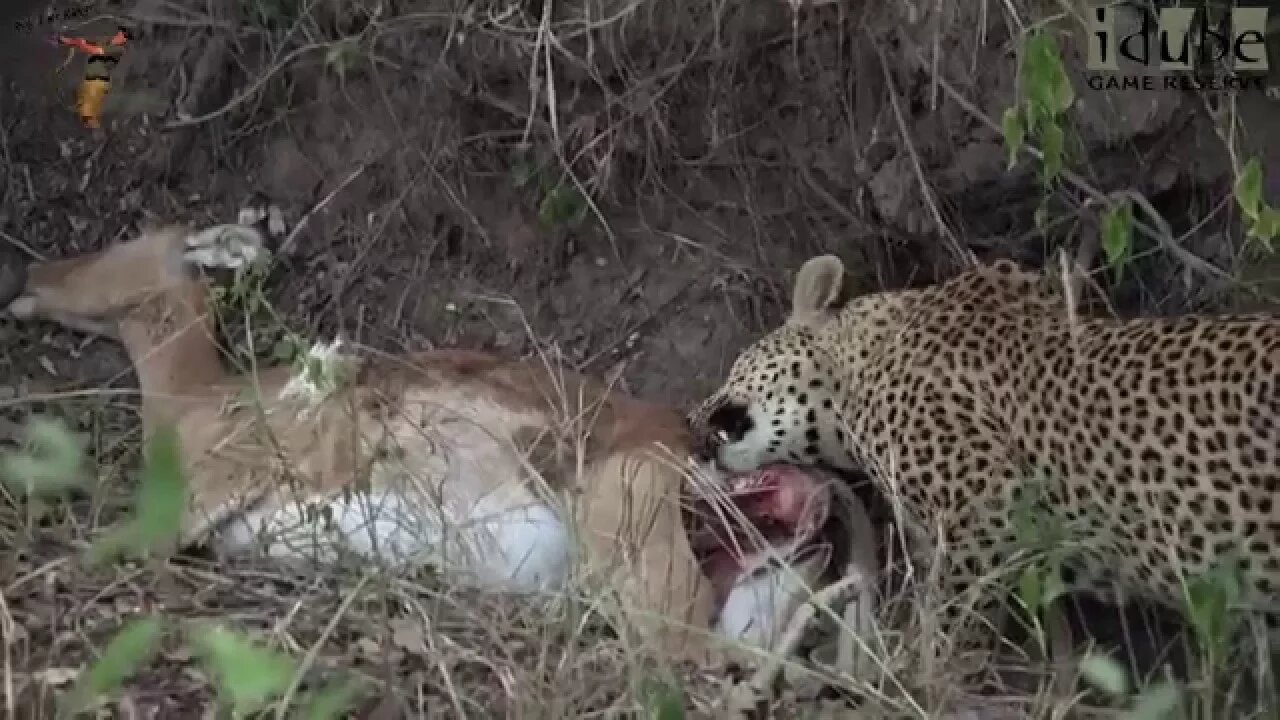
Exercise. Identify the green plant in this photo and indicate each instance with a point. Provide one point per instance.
(1159, 702)
(245, 291)
(248, 675)
(662, 700)
(49, 462)
(289, 348)
(1040, 583)
(1263, 220)
(242, 309)
(1209, 602)
(132, 647)
(341, 55)
(1117, 237)
(1044, 96)
(560, 203)
(160, 501)
(318, 372)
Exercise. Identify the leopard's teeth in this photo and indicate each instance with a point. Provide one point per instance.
(746, 483)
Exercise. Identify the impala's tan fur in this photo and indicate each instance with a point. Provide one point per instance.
(436, 435)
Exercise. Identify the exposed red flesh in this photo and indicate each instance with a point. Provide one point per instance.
(779, 501)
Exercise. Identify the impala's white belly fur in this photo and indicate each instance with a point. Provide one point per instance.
(494, 546)
(450, 489)
(446, 487)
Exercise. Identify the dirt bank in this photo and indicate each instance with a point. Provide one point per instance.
(629, 185)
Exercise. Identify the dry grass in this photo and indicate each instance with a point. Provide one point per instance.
(416, 645)
(743, 140)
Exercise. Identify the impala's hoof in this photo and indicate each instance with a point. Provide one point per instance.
(232, 246)
(264, 215)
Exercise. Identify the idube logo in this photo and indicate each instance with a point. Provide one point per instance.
(1184, 40)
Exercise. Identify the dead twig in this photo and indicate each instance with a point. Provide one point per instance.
(30, 251)
(249, 92)
(286, 247)
(1162, 235)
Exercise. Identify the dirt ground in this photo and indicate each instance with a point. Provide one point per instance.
(628, 185)
(715, 164)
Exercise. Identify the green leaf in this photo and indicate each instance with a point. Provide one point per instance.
(339, 55)
(332, 702)
(1211, 599)
(160, 505)
(1158, 703)
(1054, 587)
(1015, 134)
(1048, 88)
(1031, 587)
(162, 494)
(562, 205)
(248, 676)
(1248, 188)
(132, 647)
(1053, 142)
(1105, 674)
(49, 464)
(1266, 227)
(1117, 236)
(663, 701)
(1061, 95)
(1044, 93)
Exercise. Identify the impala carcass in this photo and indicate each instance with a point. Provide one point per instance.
(508, 474)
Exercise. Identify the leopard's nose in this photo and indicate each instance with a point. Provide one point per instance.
(705, 443)
(730, 422)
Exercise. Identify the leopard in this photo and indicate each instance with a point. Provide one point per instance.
(985, 399)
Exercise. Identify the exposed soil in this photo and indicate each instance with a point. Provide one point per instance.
(720, 145)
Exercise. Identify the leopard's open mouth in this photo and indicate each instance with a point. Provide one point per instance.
(774, 512)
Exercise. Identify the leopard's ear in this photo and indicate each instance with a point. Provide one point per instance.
(818, 289)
